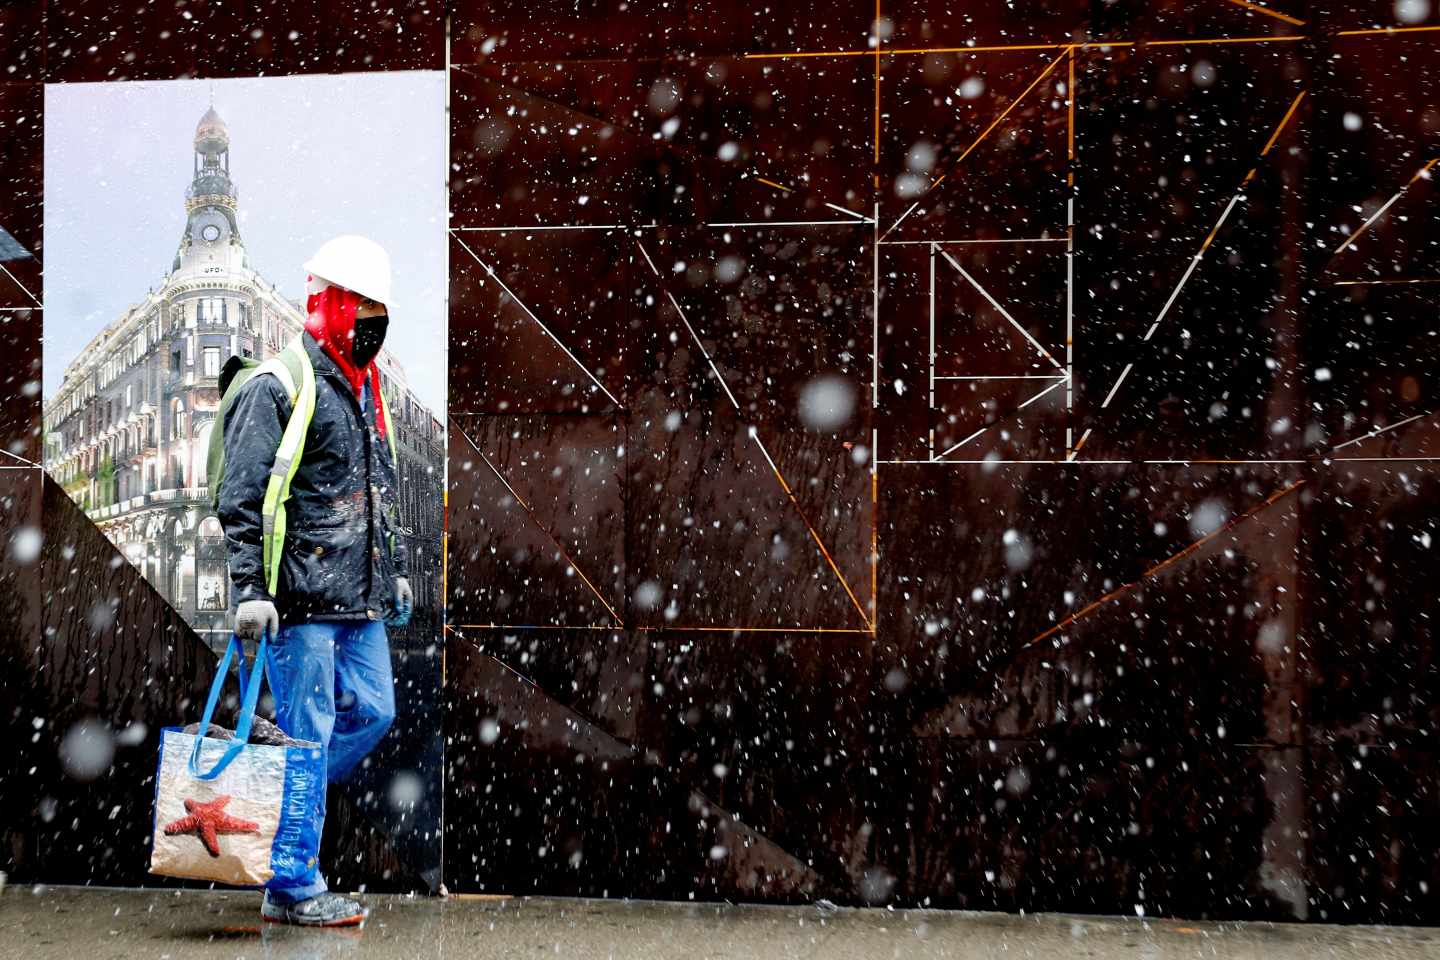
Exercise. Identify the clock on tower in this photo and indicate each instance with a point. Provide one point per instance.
(210, 226)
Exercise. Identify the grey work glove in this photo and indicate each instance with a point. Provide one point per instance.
(254, 616)
(404, 603)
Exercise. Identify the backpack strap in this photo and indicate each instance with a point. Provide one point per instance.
(292, 367)
(394, 460)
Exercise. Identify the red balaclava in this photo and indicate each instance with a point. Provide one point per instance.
(330, 319)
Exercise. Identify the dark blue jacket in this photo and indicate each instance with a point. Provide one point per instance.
(337, 563)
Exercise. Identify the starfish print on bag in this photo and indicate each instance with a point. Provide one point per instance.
(209, 820)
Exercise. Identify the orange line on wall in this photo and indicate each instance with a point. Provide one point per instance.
(772, 183)
(898, 51)
(1213, 40)
(1066, 51)
(1113, 594)
(821, 544)
(1210, 237)
(876, 29)
(874, 540)
(444, 553)
(1013, 104)
(1385, 31)
(1102, 44)
(1268, 12)
(1288, 114)
(1070, 122)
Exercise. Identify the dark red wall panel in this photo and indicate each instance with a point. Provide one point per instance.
(1085, 595)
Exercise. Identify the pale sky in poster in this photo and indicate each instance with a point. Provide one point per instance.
(311, 157)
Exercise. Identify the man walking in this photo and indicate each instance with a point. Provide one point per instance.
(320, 573)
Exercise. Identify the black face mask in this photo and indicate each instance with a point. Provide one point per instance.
(369, 335)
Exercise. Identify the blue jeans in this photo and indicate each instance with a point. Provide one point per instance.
(333, 685)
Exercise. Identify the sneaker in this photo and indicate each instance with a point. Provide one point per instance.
(326, 910)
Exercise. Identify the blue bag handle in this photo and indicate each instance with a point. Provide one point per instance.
(240, 672)
(249, 697)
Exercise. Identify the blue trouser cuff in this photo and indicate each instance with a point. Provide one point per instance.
(296, 894)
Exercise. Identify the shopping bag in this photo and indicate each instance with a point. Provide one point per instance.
(232, 811)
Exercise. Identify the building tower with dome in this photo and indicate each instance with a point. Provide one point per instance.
(127, 432)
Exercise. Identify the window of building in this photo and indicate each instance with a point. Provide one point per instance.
(174, 361)
(202, 442)
(129, 395)
(211, 310)
(211, 357)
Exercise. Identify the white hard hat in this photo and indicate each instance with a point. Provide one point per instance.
(356, 263)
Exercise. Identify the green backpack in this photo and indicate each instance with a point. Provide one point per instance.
(292, 367)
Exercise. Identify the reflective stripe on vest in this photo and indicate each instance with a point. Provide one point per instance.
(292, 448)
(287, 456)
